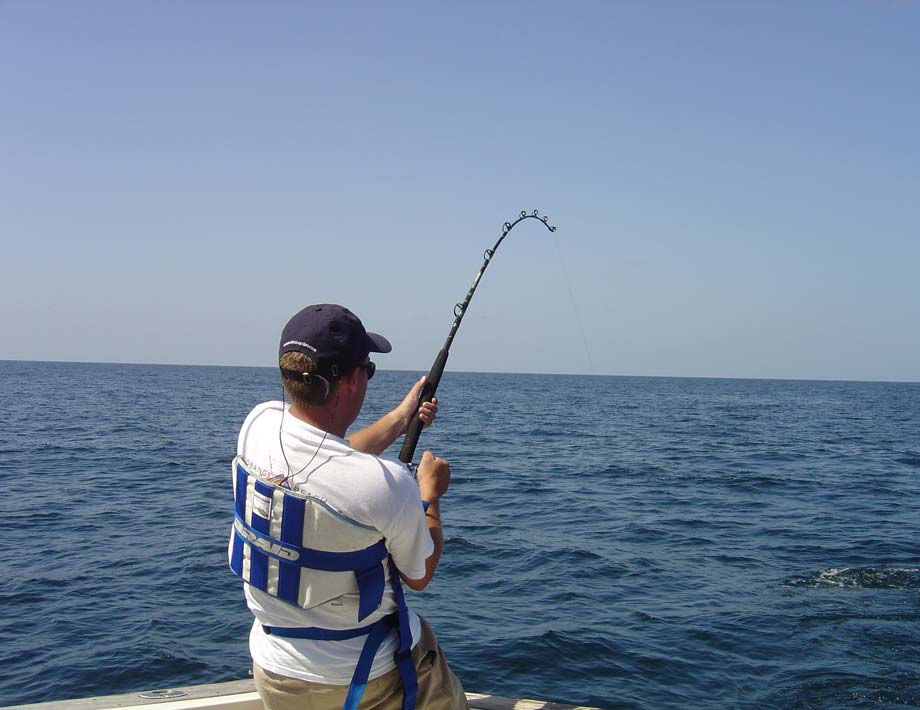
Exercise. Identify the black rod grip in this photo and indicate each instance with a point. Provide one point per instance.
(414, 430)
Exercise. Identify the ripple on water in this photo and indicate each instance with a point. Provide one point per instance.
(860, 578)
(830, 689)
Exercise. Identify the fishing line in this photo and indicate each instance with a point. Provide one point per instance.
(581, 328)
(414, 429)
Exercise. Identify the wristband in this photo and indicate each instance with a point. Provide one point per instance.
(425, 505)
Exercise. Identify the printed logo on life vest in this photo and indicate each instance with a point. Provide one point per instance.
(268, 546)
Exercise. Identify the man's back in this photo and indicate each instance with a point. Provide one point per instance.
(375, 493)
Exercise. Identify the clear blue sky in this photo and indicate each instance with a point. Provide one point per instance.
(735, 185)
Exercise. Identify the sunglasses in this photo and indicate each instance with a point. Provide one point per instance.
(369, 367)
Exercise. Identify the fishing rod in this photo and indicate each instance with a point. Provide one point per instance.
(437, 369)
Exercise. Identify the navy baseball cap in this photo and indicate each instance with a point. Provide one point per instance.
(332, 336)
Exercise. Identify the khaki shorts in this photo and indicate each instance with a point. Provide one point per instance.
(438, 687)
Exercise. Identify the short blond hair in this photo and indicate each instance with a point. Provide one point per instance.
(301, 393)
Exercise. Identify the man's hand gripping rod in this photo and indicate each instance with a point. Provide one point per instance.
(437, 369)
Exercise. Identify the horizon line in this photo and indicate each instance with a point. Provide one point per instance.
(484, 372)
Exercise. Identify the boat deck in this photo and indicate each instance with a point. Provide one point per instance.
(242, 695)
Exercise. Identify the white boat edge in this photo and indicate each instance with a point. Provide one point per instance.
(242, 695)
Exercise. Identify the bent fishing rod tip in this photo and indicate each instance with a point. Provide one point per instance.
(508, 226)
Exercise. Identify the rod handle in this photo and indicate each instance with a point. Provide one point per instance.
(414, 430)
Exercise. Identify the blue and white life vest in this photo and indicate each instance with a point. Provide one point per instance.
(300, 550)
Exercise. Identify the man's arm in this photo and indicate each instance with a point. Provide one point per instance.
(375, 438)
(433, 480)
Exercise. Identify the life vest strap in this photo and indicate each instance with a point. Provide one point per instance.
(404, 653)
(318, 634)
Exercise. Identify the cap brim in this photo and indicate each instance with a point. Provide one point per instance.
(378, 344)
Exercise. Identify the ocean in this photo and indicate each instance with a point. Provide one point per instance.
(621, 542)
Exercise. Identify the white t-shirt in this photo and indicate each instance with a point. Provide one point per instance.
(368, 489)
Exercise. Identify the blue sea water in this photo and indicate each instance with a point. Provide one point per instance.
(611, 541)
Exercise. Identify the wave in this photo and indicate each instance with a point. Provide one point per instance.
(835, 689)
(860, 578)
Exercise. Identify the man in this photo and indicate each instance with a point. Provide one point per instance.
(324, 530)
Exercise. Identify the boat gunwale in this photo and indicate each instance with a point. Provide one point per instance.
(242, 695)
